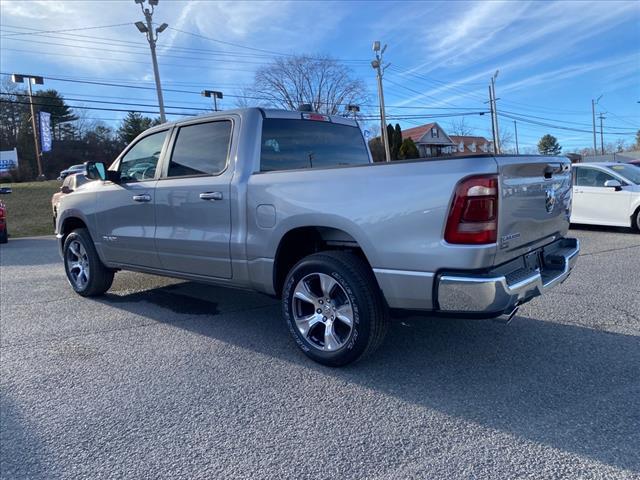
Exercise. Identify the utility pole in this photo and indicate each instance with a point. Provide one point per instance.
(215, 94)
(593, 115)
(493, 124)
(602, 117)
(377, 66)
(18, 78)
(495, 111)
(515, 127)
(152, 39)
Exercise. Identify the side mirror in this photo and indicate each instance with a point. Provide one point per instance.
(613, 184)
(96, 170)
(65, 189)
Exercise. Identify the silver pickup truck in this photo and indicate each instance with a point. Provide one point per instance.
(291, 205)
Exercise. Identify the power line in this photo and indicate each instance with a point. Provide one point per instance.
(66, 30)
(556, 120)
(557, 127)
(81, 107)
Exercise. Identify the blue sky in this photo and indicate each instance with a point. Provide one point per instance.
(553, 57)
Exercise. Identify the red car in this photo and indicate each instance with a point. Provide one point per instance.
(4, 237)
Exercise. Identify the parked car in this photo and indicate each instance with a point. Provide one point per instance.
(606, 194)
(5, 190)
(4, 234)
(290, 204)
(69, 185)
(71, 170)
(635, 162)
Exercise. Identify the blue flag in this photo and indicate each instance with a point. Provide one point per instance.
(45, 131)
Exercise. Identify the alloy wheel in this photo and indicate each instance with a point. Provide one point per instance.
(78, 264)
(322, 312)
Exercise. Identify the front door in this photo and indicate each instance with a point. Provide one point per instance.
(595, 203)
(193, 204)
(125, 217)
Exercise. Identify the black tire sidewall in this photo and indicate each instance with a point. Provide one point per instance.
(359, 337)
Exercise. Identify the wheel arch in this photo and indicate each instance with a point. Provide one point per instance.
(301, 241)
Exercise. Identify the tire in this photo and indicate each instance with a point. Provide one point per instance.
(86, 273)
(321, 329)
(4, 236)
(635, 220)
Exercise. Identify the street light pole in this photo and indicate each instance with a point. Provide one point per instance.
(515, 127)
(377, 66)
(17, 78)
(215, 94)
(152, 39)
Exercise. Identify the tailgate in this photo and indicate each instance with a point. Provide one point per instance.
(535, 203)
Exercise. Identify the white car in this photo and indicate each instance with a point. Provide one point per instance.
(606, 194)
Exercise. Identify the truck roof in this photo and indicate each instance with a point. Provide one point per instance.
(267, 113)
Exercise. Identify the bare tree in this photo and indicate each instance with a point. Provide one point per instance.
(460, 127)
(506, 141)
(324, 83)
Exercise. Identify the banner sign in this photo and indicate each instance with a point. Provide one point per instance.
(8, 160)
(45, 131)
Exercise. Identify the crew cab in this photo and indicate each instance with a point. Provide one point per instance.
(290, 204)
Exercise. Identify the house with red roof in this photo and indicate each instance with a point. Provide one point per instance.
(433, 141)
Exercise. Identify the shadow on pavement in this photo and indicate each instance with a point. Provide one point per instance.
(602, 228)
(569, 387)
(20, 450)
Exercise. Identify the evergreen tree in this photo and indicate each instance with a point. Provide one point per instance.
(408, 149)
(133, 125)
(548, 145)
(397, 142)
(390, 136)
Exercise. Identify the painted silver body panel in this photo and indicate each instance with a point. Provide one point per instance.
(396, 213)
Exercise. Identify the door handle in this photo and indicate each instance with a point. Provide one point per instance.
(211, 196)
(145, 197)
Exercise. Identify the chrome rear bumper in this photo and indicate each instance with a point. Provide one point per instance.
(494, 295)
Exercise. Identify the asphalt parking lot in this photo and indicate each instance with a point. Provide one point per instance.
(170, 379)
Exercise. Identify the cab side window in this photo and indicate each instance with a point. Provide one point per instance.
(141, 161)
(201, 149)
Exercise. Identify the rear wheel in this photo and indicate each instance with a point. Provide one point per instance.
(86, 273)
(334, 308)
(4, 236)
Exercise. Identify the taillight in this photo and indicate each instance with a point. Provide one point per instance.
(473, 216)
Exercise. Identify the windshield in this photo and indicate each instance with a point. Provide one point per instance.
(629, 172)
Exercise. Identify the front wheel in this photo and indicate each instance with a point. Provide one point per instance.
(636, 220)
(334, 308)
(86, 273)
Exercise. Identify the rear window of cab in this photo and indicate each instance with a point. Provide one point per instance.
(293, 144)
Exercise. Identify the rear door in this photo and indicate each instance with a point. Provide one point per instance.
(535, 201)
(192, 201)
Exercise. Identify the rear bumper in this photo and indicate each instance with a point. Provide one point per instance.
(496, 294)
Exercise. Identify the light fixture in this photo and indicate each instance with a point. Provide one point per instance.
(142, 27)
(162, 28)
(153, 3)
(211, 93)
(376, 46)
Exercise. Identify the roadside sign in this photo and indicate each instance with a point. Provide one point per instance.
(45, 131)
(367, 134)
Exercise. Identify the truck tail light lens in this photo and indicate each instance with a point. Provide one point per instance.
(473, 216)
